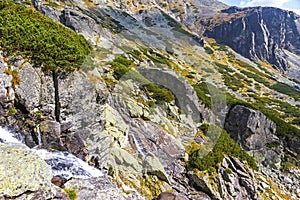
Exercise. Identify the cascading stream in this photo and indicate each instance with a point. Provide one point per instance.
(63, 164)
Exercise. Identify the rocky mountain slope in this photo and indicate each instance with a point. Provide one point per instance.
(260, 33)
(158, 109)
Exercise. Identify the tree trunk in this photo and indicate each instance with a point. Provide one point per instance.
(56, 95)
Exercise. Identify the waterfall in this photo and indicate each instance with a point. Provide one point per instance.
(67, 165)
(39, 137)
(62, 162)
(7, 137)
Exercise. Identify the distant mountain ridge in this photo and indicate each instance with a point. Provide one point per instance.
(260, 33)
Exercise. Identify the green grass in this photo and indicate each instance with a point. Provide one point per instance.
(225, 146)
(286, 89)
(203, 93)
(46, 43)
(208, 50)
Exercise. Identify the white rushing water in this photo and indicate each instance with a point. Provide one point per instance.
(39, 135)
(67, 165)
(7, 137)
(63, 163)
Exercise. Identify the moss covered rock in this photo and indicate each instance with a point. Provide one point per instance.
(21, 171)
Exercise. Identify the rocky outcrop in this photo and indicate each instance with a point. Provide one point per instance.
(250, 128)
(255, 133)
(99, 189)
(261, 33)
(23, 173)
(232, 181)
(185, 95)
(82, 24)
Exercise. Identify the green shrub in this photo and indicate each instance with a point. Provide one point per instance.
(136, 54)
(208, 50)
(228, 171)
(159, 94)
(202, 93)
(225, 145)
(286, 89)
(72, 194)
(48, 44)
(121, 66)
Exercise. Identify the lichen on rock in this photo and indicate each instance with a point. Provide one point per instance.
(22, 171)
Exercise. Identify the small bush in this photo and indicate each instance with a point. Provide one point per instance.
(151, 104)
(225, 145)
(286, 89)
(228, 171)
(72, 194)
(159, 94)
(121, 66)
(208, 50)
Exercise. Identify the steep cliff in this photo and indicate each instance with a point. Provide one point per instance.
(260, 33)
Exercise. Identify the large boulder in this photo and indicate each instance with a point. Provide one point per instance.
(22, 172)
(250, 128)
(99, 189)
(256, 134)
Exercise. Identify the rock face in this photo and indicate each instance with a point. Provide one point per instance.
(260, 33)
(250, 128)
(184, 93)
(232, 181)
(254, 132)
(99, 189)
(81, 24)
(23, 172)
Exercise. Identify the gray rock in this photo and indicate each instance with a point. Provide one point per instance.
(258, 33)
(82, 24)
(126, 160)
(152, 165)
(185, 95)
(29, 90)
(250, 128)
(21, 171)
(99, 189)
(47, 10)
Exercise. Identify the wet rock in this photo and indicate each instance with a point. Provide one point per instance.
(21, 171)
(58, 181)
(75, 144)
(50, 134)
